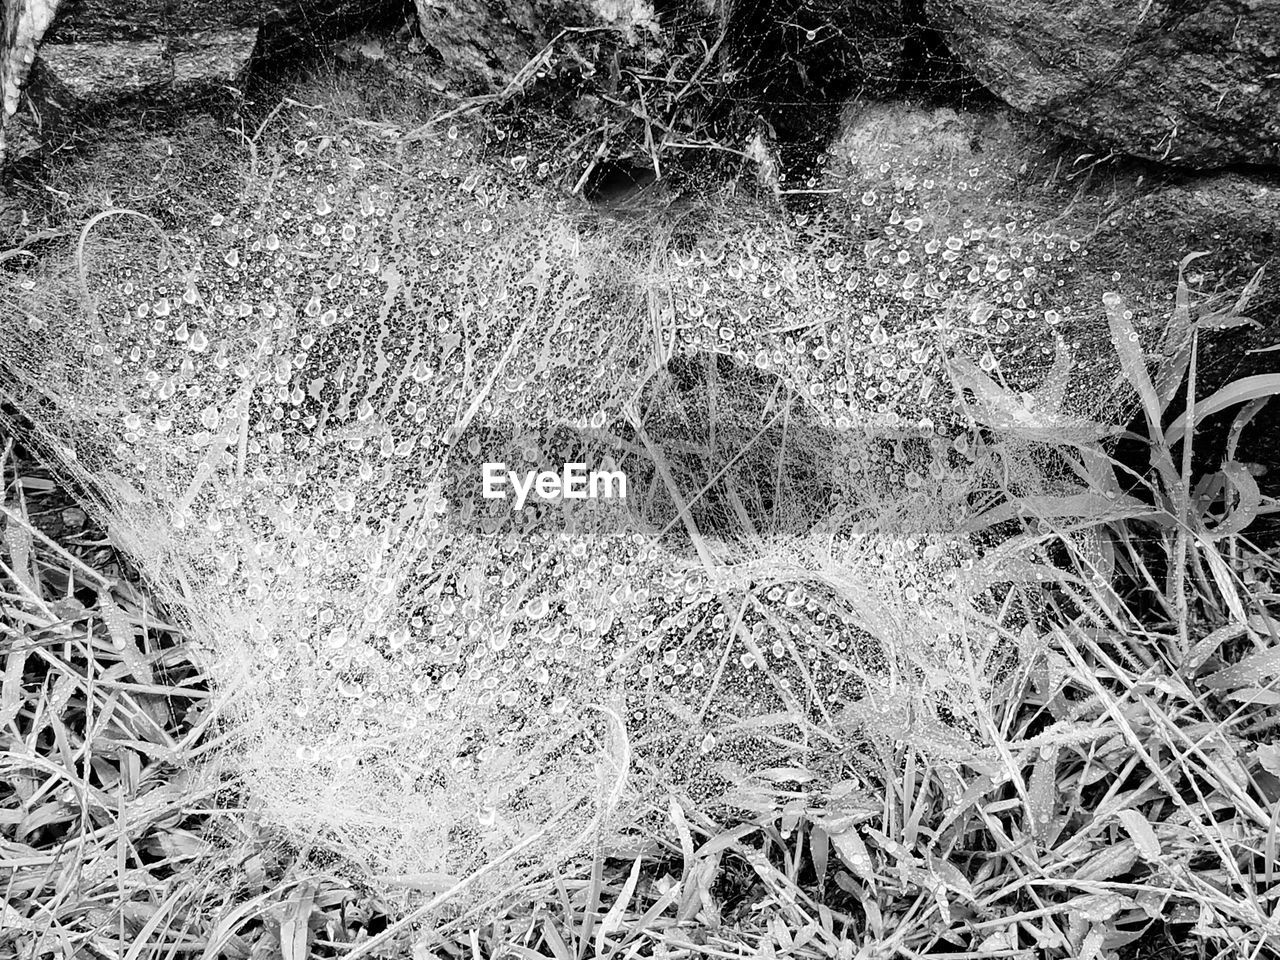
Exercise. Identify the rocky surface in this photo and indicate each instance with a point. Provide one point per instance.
(104, 70)
(1127, 226)
(1142, 213)
(25, 22)
(98, 51)
(491, 43)
(1192, 83)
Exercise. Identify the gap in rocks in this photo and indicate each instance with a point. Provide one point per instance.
(803, 61)
(287, 52)
(740, 447)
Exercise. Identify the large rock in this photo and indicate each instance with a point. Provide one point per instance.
(491, 43)
(87, 21)
(1194, 83)
(25, 22)
(100, 50)
(1097, 226)
(104, 70)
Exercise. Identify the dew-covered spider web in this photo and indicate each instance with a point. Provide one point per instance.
(279, 403)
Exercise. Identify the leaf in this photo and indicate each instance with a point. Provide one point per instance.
(1099, 907)
(1076, 506)
(1269, 756)
(1144, 836)
(613, 919)
(1239, 391)
(1246, 509)
(950, 874)
(15, 663)
(1177, 337)
(1109, 862)
(121, 631)
(1251, 671)
(1223, 577)
(853, 851)
(1241, 421)
(559, 949)
(678, 819)
(723, 841)
(1258, 695)
(697, 891)
(819, 846)
(17, 539)
(1125, 339)
(295, 932)
(1042, 791)
(1206, 647)
(427, 882)
(1233, 316)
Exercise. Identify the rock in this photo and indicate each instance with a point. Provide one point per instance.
(490, 43)
(1013, 184)
(97, 51)
(211, 57)
(1195, 84)
(90, 71)
(105, 70)
(84, 21)
(25, 22)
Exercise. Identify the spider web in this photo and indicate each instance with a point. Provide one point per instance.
(271, 392)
